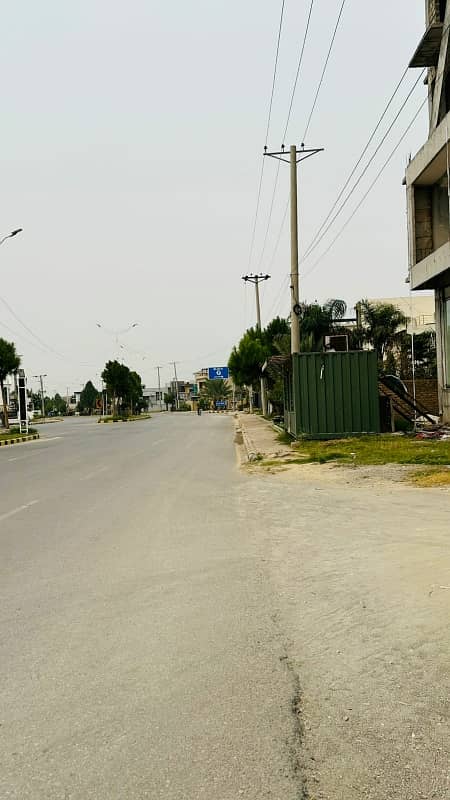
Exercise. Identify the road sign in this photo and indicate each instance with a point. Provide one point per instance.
(214, 373)
(220, 404)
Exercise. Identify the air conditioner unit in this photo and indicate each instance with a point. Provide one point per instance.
(337, 343)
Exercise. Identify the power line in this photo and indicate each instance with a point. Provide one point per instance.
(294, 88)
(318, 237)
(269, 117)
(364, 197)
(277, 243)
(269, 220)
(324, 70)
(34, 335)
(275, 70)
(363, 153)
(276, 302)
(300, 60)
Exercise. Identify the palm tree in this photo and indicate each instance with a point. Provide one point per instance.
(9, 363)
(316, 321)
(381, 324)
(217, 389)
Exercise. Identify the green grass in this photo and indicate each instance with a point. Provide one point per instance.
(368, 450)
(14, 433)
(284, 438)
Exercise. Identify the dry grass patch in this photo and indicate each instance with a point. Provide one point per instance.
(430, 478)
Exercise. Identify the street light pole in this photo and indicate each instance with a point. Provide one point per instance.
(117, 333)
(10, 235)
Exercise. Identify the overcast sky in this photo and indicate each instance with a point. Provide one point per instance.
(132, 136)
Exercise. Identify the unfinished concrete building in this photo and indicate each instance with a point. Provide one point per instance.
(427, 184)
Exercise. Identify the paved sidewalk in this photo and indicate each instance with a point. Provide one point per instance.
(260, 437)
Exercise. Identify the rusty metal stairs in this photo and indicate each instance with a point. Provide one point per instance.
(402, 402)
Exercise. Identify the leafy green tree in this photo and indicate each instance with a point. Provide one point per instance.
(135, 388)
(425, 360)
(318, 321)
(54, 405)
(169, 400)
(9, 363)
(116, 378)
(277, 328)
(88, 398)
(381, 323)
(36, 400)
(247, 358)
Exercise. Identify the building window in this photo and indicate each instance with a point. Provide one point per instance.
(447, 341)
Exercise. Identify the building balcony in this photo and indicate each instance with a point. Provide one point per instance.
(433, 272)
(427, 53)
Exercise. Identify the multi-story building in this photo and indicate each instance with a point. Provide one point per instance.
(154, 398)
(427, 186)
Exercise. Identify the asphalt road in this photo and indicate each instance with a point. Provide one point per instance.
(140, 654)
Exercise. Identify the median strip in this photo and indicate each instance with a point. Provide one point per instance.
(18, 439)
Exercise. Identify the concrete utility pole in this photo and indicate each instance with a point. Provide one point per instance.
(295, 157)
(295, 294)
(177, 401)
(41, 379)
(159, 388)
(257, 279)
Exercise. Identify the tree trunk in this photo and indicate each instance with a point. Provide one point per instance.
(5, 407)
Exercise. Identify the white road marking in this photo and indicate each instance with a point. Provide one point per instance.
(160, 441)
(93, 474)
(18, 510)
(50, 439)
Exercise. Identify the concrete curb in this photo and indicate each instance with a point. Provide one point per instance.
(18, 439)
(245, 449)
(134, 419)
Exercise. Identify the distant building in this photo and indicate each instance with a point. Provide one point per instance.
(427, 187)
(154, 398)
(182, 390)
(419, 310)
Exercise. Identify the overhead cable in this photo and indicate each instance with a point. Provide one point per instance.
(28, 329)
(364, 197)
(294, 89)
(300, 60)
(324, 70)
(326, 227)
(269, 117)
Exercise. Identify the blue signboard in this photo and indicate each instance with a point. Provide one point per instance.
(220, 404)
(217, 372)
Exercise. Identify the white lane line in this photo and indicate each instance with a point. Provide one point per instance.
(50, 439)
(93, 474)
(18, 510)
(160, 441)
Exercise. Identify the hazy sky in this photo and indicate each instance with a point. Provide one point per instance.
(131, 138)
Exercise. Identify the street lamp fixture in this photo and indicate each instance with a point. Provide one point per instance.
(10, 235)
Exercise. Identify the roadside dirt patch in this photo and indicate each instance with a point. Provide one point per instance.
(337, 474)
(361, 568)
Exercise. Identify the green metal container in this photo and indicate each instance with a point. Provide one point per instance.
(332, 395)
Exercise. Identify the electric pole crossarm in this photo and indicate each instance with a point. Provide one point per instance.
(282, 155)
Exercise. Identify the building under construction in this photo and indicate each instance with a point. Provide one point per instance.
(427, 183)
